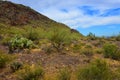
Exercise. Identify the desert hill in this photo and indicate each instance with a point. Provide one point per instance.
(18, 14)
(35, 47)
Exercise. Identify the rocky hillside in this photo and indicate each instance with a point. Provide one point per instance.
(18, 14)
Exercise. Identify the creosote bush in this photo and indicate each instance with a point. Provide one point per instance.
(111, 51)
(97, 70)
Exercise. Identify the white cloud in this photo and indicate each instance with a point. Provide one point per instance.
(76, 18)
(87, 21)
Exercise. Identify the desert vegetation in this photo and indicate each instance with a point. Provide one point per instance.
(41, 49)
(72, 57)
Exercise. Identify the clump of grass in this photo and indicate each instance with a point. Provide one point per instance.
(111, 51)
(76, 47)
(48, 49)
(97, 70)
(4, 59)
(15, 66)
(118, 38)
(99, 51)
(5, 41)
(32, 34)
(116, 75)
(31, 73)
(64, 74)
(87, 50)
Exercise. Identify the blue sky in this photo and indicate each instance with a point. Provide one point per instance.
(101, 17)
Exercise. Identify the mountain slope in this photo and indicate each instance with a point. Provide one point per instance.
(22, 20)
(18, 14)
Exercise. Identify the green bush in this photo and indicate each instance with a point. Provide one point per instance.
(15, 66)
(111, 51)
(19, 43)
(32, 34)
(59, 38)
(32, 73)
(97, 70)
(64, 74)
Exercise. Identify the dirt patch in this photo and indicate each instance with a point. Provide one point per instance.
(52, 63)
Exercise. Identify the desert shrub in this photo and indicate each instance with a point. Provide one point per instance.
(97, 70)
(87, 52)
(3, 61)
(31, 73)
(97, 44)
(48, 49)
(88, 46)
(116, 75)
(4, 58)
(111, 51)
(19, 43)
(15, 66)
(118, 37)
(5, 41)
(64, 74)
(76, 36)
(91, 36)
(59, 38)
(76, 47)
(98, 50)
(32, 34)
